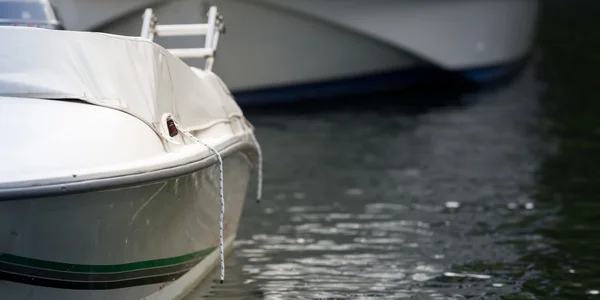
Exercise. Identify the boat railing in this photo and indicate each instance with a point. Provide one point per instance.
(211, 30)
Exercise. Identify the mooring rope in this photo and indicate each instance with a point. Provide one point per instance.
(260, 170)
(221, 246)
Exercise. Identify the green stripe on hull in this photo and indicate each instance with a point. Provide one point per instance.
(81, 268)
(96, 277)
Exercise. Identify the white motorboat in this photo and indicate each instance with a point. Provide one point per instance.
(278, 50)
(124, 170)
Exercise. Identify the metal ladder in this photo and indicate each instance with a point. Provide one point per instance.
(211, 30)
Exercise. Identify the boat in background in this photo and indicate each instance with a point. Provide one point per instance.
(128, 172)
(285, 50)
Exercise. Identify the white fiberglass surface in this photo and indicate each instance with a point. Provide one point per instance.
(58, 136)
(64, 140)
(453, 34)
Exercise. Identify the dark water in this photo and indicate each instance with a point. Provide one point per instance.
(493, 199)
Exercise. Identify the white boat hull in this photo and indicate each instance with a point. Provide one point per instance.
(283, 49)
(111, 186)
(125, 243)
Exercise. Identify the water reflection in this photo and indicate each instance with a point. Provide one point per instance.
(559, 236)
(493, 200)
(237, 285)
(563, 261)
(364, 206)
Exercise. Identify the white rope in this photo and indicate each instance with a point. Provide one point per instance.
(260, 170)
(221, 250)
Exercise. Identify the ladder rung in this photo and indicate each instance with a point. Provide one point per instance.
(192, 52)
(181, 29)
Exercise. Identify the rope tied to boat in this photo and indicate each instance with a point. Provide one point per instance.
(260, 170)
(221, 194)
(222, 215)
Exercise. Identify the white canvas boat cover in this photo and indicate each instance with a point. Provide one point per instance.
(130, 74)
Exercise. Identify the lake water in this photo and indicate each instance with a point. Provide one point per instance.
(496, 198)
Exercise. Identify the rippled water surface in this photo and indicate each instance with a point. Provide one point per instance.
(494, 199)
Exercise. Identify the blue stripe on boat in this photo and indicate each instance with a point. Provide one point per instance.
(369, 84)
